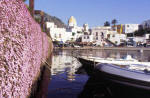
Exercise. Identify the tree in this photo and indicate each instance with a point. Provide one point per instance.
(146, 25)
(107, 23)
(114, 22)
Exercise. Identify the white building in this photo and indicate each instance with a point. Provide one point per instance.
(87, 38)
(139, 39)
(117, 38)
(73, 29)
(147, 36)
(86, 27)
(58, 34)
(130, 28)
(71, 33)
(99, 34)
(102, 34)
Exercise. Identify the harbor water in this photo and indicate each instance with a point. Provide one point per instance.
(68, 78)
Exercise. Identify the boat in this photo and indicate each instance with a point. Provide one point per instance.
(128, 60)
(124, 75)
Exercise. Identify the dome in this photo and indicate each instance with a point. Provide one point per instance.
(72, 21)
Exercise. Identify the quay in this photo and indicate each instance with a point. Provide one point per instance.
(106, 48)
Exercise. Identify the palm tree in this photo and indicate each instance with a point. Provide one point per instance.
(114, 22)
(107, 23)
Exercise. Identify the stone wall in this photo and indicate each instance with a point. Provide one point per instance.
(23, 47)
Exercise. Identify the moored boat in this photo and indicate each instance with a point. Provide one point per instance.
(128, 60)
(124, 75)
(129, 72)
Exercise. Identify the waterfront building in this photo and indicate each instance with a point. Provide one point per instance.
(100, 34)
(147, 37)
(88, 38)
(69, 34)
(73, 29)
(130, 28)
(115, 37)
(139, 39)
(118, 28)
(107, 35)
(58, 34)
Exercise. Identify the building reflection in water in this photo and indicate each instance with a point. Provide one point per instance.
(142, 56)
(66, 81)
(64, 63)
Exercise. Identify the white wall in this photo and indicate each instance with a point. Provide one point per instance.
(117, 38)
(139, 39)
(58, 34)
(87, 38)
(130, 28)
(147, 36)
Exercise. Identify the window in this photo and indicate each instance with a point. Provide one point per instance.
(96, 38)
(73, 34)
(59, 35)
(108, 36)
(102, 33)
(87, 37)
(96, 33)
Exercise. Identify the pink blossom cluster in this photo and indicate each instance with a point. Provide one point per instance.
(22, 49)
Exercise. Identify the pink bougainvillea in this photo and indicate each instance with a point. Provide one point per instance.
(22, 48)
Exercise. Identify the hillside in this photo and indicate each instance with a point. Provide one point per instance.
(54, 19)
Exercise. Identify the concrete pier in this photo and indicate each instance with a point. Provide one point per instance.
(105, 48)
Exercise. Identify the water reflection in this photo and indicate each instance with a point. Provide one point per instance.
(142, 56)
(66, 80)
(64, 63)
(68, 77)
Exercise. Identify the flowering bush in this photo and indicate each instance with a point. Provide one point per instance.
(22, 48)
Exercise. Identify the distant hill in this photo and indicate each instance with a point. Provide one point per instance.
(54, 19)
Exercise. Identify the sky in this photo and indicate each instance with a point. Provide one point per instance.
(96, 12)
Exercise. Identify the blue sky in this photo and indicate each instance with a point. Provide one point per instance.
(96, 12)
